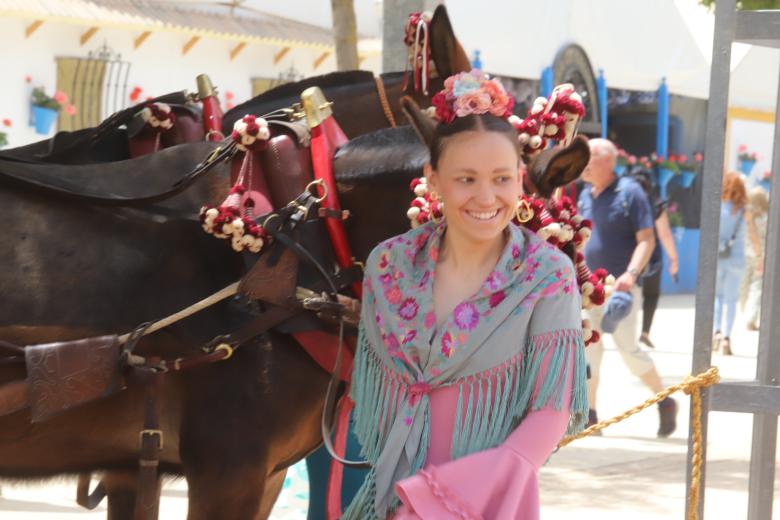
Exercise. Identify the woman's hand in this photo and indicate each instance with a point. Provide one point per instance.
(674, 266)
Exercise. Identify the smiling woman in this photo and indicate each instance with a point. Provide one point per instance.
(470, 364)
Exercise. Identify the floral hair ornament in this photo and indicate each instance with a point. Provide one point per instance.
(470, 93)
(418, 43)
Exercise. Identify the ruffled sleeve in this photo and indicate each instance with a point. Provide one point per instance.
(499, 483)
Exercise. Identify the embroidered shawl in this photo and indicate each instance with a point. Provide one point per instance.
(492, 346)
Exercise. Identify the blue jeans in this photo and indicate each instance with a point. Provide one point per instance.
(727, 292)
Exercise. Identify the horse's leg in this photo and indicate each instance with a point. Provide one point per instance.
(217, 493)
(245, 420)
(121, 489)
(273, 486)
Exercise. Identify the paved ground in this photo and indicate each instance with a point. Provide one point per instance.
(626, 472)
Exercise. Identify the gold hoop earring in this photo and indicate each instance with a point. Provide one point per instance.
(523, 211)
(433, 195)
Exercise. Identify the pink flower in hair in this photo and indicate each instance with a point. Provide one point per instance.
(475, 102)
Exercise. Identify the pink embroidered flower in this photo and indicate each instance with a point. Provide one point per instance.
(447, 344)
(386, 278)
(495, 280)
(393, 295)
(410, 336)
(380, 321)
(384, 261)
(430, 319)
(425, 277)
(466, 316)
(391, 342)
(515, 251)
(408, 309)
(496, 298)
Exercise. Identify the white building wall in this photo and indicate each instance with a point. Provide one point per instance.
(158, 66)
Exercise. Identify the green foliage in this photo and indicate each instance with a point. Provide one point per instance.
(747, 5)
(41, 99)
(3, 139)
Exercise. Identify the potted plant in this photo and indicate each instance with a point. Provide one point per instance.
(746, 159)
(689, 167)
(666, 168)
(45, 108)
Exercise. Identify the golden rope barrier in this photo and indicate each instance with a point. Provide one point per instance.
(692, 386)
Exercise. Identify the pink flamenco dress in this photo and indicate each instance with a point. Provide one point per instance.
(498, 483)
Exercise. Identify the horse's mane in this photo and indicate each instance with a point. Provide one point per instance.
(381, 156)
(287, 90)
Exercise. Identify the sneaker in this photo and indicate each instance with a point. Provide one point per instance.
(593, 418)
(667, 415)
(645, 338)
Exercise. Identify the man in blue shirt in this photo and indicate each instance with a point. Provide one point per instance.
(622, 243)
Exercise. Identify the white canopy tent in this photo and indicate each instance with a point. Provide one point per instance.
(635, 42)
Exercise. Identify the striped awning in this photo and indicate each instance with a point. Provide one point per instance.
(161, 15)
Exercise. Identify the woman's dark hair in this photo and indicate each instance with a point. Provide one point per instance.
(470, 123)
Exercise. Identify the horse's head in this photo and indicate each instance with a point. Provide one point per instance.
(547, 170)
(447, 55)
(373, 173)
(446, 51)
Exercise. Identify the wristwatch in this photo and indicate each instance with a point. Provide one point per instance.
(633, 272)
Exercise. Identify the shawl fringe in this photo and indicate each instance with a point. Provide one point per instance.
(498, 400)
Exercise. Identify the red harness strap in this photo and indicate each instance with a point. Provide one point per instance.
(325, 139)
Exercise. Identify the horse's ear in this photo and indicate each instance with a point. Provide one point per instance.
(554, 168)
(422, 124)
(447, 53)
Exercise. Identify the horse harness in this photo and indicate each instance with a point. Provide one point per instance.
(271, 282)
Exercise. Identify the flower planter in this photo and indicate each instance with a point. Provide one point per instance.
(663, 176)
(686, 178)
(746, 166)
(43, 119)
(620, 169)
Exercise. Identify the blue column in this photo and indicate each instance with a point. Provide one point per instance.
(662, 130)
(601, 88)
(477, 61)
(546, 82)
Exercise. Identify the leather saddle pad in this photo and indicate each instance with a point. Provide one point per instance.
(66, 374)
(133, 178)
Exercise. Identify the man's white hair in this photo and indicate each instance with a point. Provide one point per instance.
(603, 147)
